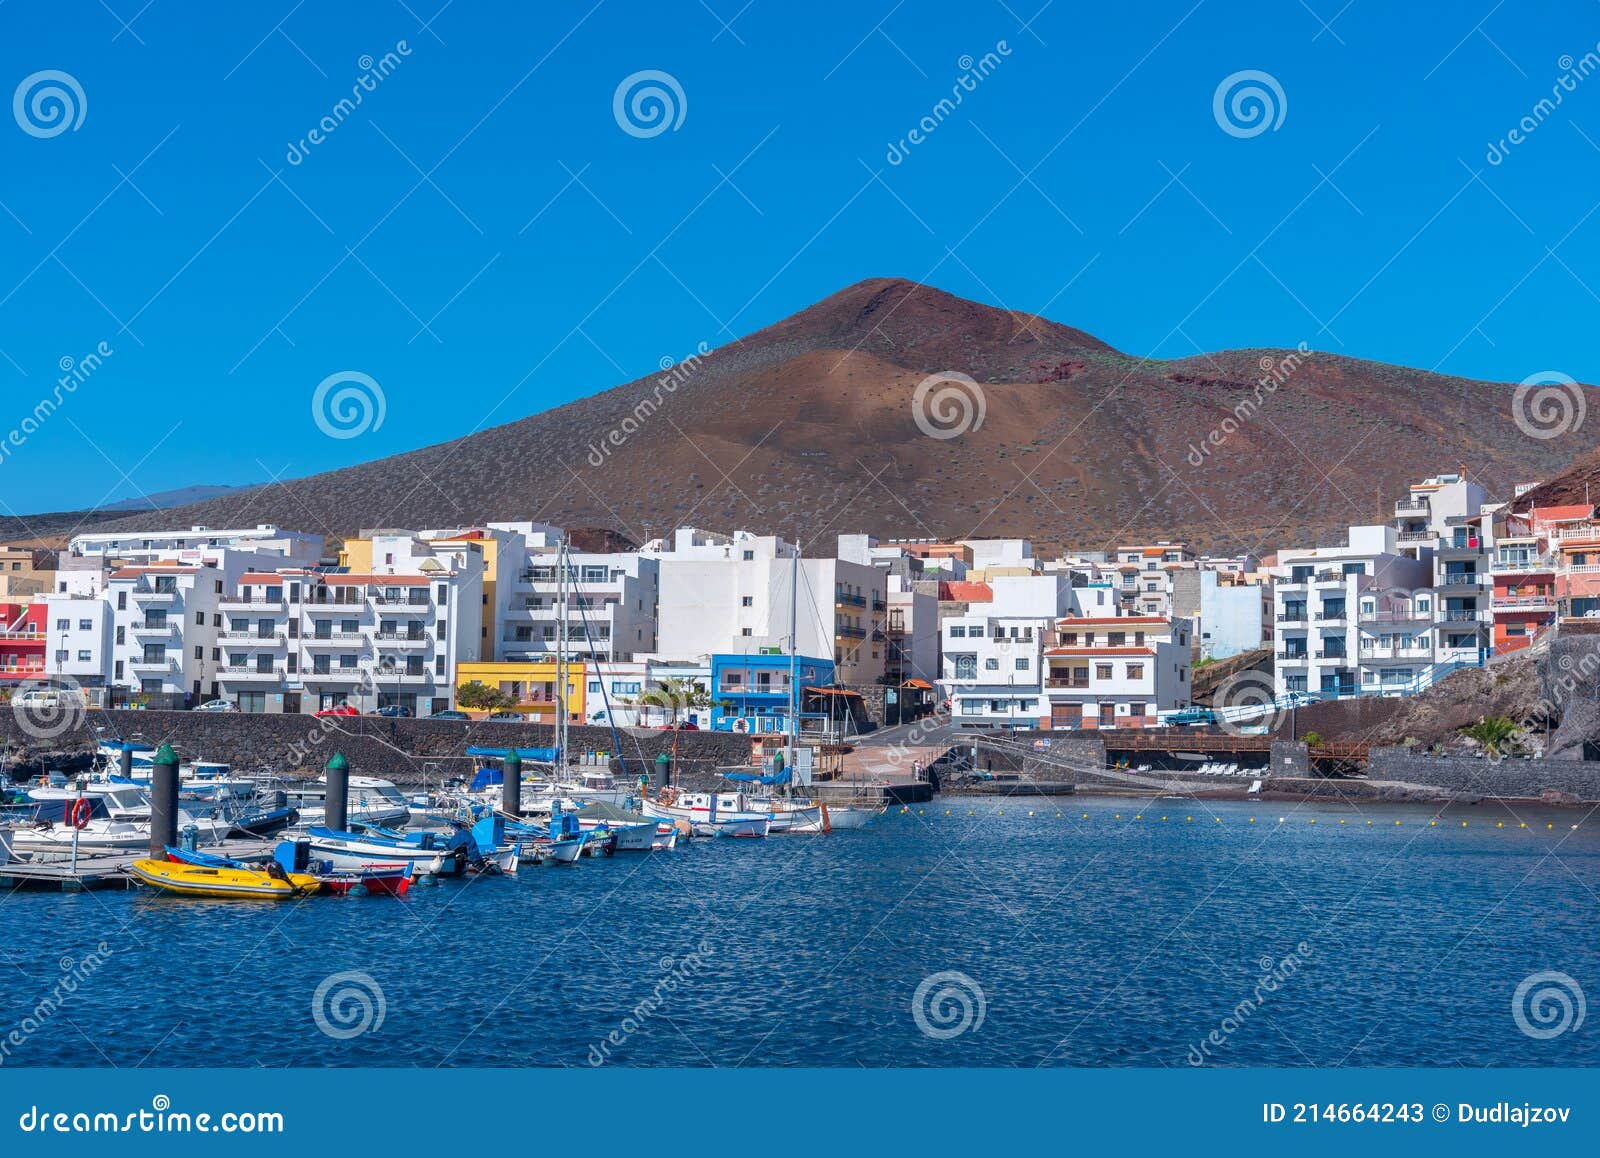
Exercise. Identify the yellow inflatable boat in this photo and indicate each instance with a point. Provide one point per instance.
(202, 881)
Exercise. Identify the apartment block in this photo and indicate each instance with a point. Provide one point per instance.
(1116, 671)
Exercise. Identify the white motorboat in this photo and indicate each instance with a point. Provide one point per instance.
(852, 817)
(422, 853)
(709, 812)
(371, 802)
(634, 832)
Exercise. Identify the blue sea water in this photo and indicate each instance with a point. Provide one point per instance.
(970, 931)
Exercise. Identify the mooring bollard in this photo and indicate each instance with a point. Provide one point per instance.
(336, 803)
(163, 802)
(511, 787)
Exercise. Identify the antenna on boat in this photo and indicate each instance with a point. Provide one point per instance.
(563, 596)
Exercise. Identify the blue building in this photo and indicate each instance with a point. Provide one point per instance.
(750, 693)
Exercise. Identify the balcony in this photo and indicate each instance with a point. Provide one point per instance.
(1300, 616)
(845, 631)
(383, 607)
(1397, 615)
(334, 675)
(1331, 616)
(1334, 655)
(21, 670)
(245, 672)
(151, 663)
(1293, 656)
(1461, 580)
(1545, 602)
(252, 638)
(251, 603)
(400, 639)
(1067, 684)
(152, 596)
(1461, 547)
(335, 639)
(1415, 537)
(1462, 617)
(1518, 566)
(1415, 651)
(851, 600)
(1411, 507)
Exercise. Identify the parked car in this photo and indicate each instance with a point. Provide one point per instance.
(217, 706)
(339, 710)
(513, 717)
(394, 712)
(452, 714)
(47, 698)
(686, 726)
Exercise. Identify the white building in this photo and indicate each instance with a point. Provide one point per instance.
(611, 604)
(199, 545)
(730, 595)
(1352, 616)
(78, 639)
(1116, 671)
(993, 637)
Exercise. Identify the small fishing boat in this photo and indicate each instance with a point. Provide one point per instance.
(633, 831)
(709, 812)
(852, 817)
(193, 880)
(423, 853)
(562, 842)
(381, 879)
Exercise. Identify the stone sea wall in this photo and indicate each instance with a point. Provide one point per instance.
(398, 750)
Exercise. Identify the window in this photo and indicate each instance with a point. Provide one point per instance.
(85, 625)
(749, 555)
(1022, 664)
(1136, 672)
(347, 661)
(747, 601)
(1102, 671)
(973, 707)
(63, 625)
(84, 656)
(594, 687)
(958, 631)
(745, 631)
(966, 666)
(991, 664)
(61, 657)
(1117, 638)
(199, 653)
(199, 618)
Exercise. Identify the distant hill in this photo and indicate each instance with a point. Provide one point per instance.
(811, 427)
(182, 497)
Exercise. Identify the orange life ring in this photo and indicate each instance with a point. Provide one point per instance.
(78, 815)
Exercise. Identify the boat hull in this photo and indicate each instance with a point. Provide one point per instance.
(190, 880)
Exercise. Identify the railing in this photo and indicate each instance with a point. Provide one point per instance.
(1414, 652)
(1462, 579)
(1294, 656)
(1414, 536)
(1326, 654)
(334, 637)
(1533, 601)
(849, 632)
(152, 594)
(246, 636)
(399, 637)
(1070, 685)
(1407, 615)
(1411, 507)
(853, 600)
(163, 628)
(1525, 565)
(1294, 617)
(250, 601)
(1330, 617)
(247, 670)
(1462, 617)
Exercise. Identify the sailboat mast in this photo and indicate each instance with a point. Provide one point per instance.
(562, 642)
(794, 663)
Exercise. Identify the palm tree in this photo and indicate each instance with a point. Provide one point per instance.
(675, 696)
(1496, 733)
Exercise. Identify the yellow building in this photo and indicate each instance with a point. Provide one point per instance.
(533, 684)
(357, 555)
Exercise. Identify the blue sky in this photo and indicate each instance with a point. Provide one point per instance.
(484, 240)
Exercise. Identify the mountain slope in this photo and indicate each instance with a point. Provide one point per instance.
(810, 427)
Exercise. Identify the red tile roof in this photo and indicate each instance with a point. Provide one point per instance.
(957, 591)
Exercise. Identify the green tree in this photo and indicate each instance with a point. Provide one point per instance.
(1497, 734)
(479, 696)
(1312, 739)
(676, 696)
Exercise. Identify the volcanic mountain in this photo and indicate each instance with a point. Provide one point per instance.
(828, 422)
